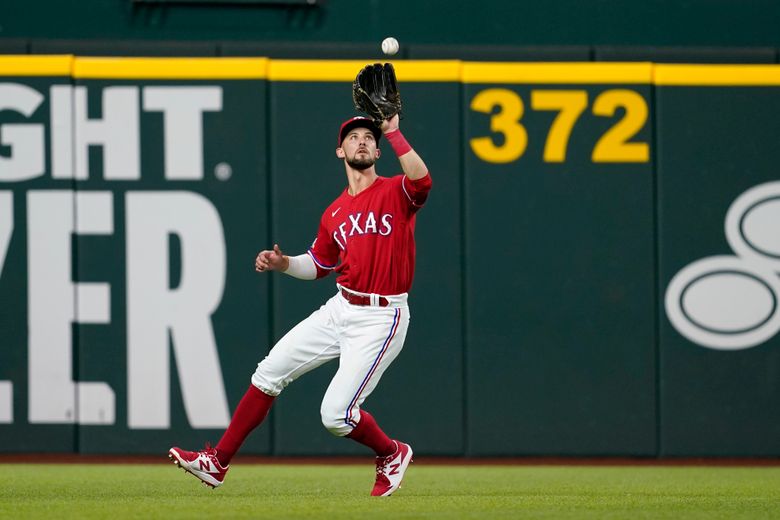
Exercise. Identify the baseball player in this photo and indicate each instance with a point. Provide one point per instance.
(366, 236)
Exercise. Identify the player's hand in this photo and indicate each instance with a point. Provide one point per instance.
(272, 260)
(389, 125)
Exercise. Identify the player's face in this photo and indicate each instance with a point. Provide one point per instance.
(359, 147)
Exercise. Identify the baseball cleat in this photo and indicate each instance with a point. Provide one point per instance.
(203, 464)
(390, 470)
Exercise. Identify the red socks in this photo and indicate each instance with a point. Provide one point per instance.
(368, 433)
(249, 413)
(254, 407)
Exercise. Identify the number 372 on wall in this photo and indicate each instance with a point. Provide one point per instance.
(614, 146)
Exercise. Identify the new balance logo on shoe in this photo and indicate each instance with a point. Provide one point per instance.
(390, 470)
(203, 464)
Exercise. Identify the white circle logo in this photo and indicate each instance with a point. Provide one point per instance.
(733, 302)
(753, 224)
(725, 303)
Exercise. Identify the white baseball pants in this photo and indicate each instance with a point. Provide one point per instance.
(366, 339)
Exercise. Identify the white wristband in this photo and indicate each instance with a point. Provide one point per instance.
(302, 267)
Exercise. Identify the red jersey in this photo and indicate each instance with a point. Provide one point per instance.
(368, 238)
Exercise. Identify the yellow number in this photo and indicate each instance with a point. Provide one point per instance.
(614, 146)
(569, 104)
(506, 122)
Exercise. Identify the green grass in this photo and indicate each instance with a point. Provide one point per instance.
(316, 491)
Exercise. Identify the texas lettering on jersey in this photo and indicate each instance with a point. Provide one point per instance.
(361, 225)
(369, 238)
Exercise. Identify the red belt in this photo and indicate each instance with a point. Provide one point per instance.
(357, 299)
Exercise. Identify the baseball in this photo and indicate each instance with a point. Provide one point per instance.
(390, 46)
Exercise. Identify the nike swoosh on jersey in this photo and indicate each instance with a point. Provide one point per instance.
(334, 213)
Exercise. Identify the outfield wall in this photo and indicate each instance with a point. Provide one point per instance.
(434, 25)
(597, 264)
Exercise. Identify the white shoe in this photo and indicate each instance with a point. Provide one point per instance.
(390, 470)
(203, 464)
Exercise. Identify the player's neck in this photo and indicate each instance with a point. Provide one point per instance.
(360, 180)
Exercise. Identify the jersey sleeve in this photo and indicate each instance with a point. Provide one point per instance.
(416, 191)
(324, 251)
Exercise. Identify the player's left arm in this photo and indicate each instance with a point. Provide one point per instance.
(411, 163)
(416, 182)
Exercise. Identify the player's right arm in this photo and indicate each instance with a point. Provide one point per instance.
(271, 260)
(324, 252)
(317, 262)
(301, 266)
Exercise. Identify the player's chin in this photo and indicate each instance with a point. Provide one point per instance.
(361, 162)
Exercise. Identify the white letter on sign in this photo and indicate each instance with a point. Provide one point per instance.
(26, 140)
(155, 309)
(118, 133)
(182, 109)
(6, 224)
(54, 302)
(6, 230)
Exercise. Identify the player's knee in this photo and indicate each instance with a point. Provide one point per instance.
(265, 379)
(333, 419)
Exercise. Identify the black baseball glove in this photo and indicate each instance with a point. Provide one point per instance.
(375, 92)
